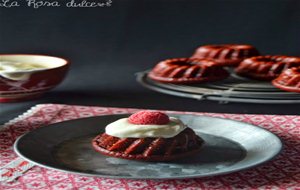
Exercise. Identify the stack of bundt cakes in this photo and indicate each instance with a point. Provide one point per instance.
(208, 63)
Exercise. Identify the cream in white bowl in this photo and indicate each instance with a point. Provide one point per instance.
(27, 76)
(20, 67)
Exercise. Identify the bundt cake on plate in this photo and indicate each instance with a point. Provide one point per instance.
(226, 54)
(187, 70)
(148, 136)
(288, 80)
(266, 67)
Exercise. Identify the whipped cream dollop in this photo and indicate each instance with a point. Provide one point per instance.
(122, 128)
(13, 70)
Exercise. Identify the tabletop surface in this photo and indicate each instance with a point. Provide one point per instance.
(108, 45)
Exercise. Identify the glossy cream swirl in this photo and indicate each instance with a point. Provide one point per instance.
(8, 66)
(18, 70)
(123, 129)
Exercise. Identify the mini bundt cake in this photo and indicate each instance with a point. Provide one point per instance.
(187, 70)
(148, 136)
(266, 67)
(226, 54)
(288, 80)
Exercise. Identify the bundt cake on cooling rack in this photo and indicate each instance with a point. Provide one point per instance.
(266, 67)
(148, 136)
(187, 70)
(226, 54)
(288, 80)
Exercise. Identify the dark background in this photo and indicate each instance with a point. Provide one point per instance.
(106, 46)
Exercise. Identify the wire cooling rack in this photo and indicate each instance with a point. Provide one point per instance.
(232, 89)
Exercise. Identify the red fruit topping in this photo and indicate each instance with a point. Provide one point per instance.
(148, 118)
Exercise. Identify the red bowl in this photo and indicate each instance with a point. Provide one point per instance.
(28, 84)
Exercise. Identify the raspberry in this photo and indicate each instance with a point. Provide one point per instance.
(148, 118)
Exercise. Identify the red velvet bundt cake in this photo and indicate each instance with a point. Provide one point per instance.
(148, 136)
(187, 70)
(266, 67)
(226, 54)
(288, 80)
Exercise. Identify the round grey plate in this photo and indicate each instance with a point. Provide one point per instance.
(229, 146)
